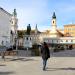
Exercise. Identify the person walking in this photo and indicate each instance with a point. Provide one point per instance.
(45, 53)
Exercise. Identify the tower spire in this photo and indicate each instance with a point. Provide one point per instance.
(53, 19)
(36, 29)
(14, 13)
(54, 16)
(53, 26)
(14, 26)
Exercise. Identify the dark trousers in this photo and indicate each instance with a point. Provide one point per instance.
(44, 63)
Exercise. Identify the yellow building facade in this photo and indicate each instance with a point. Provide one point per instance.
(65, 37)
(69, 30)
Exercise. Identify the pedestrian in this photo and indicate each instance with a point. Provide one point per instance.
(45, 53)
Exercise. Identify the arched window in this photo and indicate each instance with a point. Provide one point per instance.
(2, 42)
(11, 32)
(27, 38)
(71, 40)
(53, 21)
(57, 41)
(30, 38)
(66, 40)
(61, 40)
(52, 41)
(12, 22)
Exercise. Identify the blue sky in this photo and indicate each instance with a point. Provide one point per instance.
(40, 12)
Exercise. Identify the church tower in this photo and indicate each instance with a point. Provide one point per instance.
(14, 26)
(14, 21)
(54, 20)
(53, 32)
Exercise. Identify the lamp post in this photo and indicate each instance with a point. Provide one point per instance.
(16, 44)
(3, 56)
(16, 37)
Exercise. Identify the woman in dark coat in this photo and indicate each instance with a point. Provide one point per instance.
(45, 54)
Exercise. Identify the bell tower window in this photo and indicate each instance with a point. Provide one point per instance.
(53, 21)
(12, 22)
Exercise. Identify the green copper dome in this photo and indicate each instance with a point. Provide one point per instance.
(15, 13)
(54, 16)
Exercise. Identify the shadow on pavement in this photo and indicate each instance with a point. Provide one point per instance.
(6, 73)
(66, 53)
(56, 69)
(2, 65)
(23, 59)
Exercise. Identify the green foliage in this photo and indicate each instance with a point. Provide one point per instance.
(20, 34)
(36, 50)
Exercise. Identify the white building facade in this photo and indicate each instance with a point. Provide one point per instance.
(60, 40)
(6, 28)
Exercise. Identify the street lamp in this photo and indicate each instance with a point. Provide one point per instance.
(16, 36)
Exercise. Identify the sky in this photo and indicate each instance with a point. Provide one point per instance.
(40, 12)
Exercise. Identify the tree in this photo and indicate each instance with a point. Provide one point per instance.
(21, 33)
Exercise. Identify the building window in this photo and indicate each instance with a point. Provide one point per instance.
(15, 22)
(66, 40)
(27, 38)
(52, 41)
(53, 21)
(30, 38)
(12, 22)
(61, 40)
(6, 42)
(2, 43)
(71, 40)
(57, 41)
(11, 32)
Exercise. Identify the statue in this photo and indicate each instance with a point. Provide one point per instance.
(28, 29)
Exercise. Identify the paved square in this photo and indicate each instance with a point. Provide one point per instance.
(56, 65)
